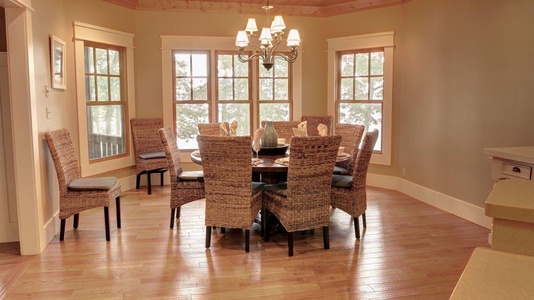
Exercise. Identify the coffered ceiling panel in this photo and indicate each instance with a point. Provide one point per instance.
(311, 8)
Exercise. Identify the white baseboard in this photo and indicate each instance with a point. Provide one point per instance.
(128, 183)
(449, 204)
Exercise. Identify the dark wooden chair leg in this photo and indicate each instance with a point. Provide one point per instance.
(138, 181)
(261, 223)
(118, 208)
(265, 224)
(106, 220)
(148, 182)
(364, 220)
(357, 227)
(223, 230)
(247, 240)
(161, 177)
(290, 243)
(172, 217)
(208, 236)
(326, 237)
(178, 209)
(76, 219)
(62, 230)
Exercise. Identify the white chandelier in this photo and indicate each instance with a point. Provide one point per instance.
(269, 40)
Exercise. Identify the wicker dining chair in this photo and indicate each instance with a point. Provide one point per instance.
(186, 186)
(284, 129)
(149, 155)
(232, 199)
(351, 136)
(304, 201)
(212, 128)
(349, 193)
(314, 121)
(77, 194)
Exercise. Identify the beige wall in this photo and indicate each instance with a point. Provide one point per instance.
(55, 18)
(462, 74)
(50, 19)
(463, 83)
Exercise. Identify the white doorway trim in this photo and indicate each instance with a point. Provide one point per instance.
(25, 132)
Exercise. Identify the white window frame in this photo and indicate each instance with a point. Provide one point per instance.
(86, 32)
(213, 44)
(359, 42)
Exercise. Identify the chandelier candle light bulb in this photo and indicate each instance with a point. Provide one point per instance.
(269, 40)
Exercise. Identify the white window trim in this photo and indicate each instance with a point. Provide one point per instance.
(85, 32)
(170, 43)
(366, 41)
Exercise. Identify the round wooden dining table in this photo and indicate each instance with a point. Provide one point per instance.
(268, 171)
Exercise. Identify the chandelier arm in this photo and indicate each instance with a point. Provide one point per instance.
(243, 57)
(292, 57)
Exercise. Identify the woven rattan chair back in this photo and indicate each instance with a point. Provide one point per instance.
(74, 200)
(359, 173)
(64, 157)
(148, 149)
(284, 129)
(351, 136)
(145, 135)
(172, 153)
(185, 188)
(230, 202)
(212, 128)
(353, 200)
(314, 121)
(309, 180)
(306, 201)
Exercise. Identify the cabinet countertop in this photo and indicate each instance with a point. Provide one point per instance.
(521, 154)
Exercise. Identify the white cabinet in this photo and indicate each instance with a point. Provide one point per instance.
(511, 162)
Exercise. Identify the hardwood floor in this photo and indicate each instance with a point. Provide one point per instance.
(410, 250)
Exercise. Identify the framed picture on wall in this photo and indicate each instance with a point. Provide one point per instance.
(58, 50)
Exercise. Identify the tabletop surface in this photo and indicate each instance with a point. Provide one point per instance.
(268, 165)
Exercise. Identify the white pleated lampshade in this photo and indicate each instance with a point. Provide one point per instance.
(251, 25)
(293, 38)
(265, 37)
(241, 40)
(278, 24)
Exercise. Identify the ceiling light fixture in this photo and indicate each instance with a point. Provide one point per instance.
(270, 38)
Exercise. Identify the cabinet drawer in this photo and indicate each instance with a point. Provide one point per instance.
(516, 170)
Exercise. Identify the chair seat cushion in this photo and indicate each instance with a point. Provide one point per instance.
(279, 188)
(87, 184)
(341, 171)
(151, 155)
(342, 181)
(257, 187)
(191, 176)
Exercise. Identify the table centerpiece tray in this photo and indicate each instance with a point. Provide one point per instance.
(278, 150)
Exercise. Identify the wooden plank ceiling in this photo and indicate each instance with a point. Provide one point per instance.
(309, 8)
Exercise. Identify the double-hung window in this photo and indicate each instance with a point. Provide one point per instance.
(360, 86)
(275, 92)
(360, 89)
(105, 100)
(234, 97)
(191, 91)
(105, 87)
(205, 82)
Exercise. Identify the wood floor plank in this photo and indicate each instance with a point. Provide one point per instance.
(409, 250)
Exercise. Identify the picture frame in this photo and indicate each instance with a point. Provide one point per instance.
(58, 50)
